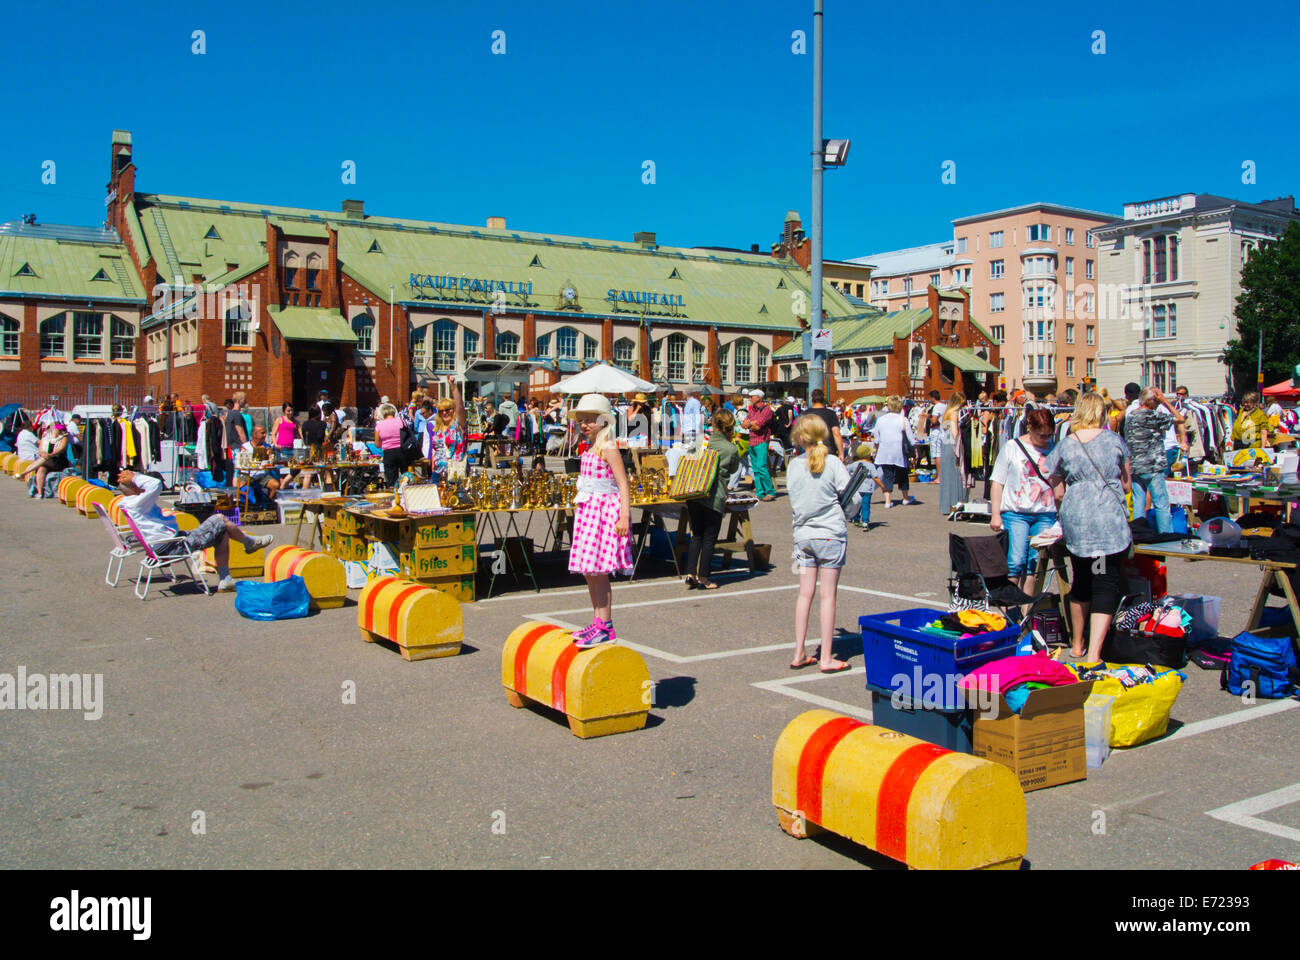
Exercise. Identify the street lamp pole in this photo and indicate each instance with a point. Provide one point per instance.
(816, 377)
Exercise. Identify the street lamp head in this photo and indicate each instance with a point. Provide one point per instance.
(835, 152)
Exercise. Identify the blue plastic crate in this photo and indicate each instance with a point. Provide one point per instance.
(893, 644)
(951, 729)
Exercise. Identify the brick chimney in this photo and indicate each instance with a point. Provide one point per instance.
(496, 223)
(646, 238)
(354, 209)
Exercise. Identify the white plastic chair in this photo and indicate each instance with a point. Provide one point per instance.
(121, 548)
(152, 561)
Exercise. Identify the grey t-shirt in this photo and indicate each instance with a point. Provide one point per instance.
(1144, 432)
(1093, 517)
(815, 500)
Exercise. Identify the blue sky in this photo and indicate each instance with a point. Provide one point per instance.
(553, 134)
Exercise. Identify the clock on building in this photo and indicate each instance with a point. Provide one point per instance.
(568, 298)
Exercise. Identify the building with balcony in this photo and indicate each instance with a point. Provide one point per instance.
(1169, 279)
(1031, 274)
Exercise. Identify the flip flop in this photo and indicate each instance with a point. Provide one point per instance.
(840, 669)
(803, 663)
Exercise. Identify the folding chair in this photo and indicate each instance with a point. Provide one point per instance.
(980, 575)
(121, 548)
(152, 561)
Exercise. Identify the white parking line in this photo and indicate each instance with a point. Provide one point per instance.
(618, 587)
(1243, 812)
(1229, 719)
(697, 595)
(664, 654)
(785, 686)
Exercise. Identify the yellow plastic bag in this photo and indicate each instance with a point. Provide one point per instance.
(1140, 713)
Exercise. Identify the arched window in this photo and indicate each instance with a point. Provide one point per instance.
(471, 344)
(444, 346)
(507, 346)
(624, 353)
(544, 345)
(290, 270)
(363, 325)
(589, 346)
(698, 364)
(121, 339)
(9, 329)
(313, 271)
(566, 342)
(744, 360)
(724, 363)
(238, 317)
(676, 357)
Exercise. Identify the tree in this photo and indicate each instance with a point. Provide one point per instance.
(1269, 301)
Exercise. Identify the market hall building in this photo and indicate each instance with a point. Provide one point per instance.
(212, 297)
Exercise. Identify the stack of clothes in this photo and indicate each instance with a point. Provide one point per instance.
(965, 623)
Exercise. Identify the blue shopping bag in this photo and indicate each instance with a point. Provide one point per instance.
(279, 600)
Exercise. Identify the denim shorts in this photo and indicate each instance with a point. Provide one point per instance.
(1021, 557)
(820, 553)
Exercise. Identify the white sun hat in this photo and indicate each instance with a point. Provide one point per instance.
(592, 403)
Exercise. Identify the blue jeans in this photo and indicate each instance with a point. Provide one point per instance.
(1171, 455)
(864, 514)
(1155, 482)
(1021, 558)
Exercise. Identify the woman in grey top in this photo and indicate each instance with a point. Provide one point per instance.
(814, 481)
(1090, 471)
(952, 459)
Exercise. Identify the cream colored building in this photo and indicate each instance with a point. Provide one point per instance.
(1170, 276)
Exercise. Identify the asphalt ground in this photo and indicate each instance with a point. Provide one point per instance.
(241, 727)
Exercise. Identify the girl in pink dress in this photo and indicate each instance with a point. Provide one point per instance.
(601, 520)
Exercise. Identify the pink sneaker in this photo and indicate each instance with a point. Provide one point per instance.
(587, 631)
(603, 634)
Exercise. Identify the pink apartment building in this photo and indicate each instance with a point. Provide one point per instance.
(1032, 275)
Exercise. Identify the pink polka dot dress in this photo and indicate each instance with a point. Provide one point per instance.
(596, 548)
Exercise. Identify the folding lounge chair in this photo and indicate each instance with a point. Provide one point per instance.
(123, 547)
(152, 561)
(980, 573)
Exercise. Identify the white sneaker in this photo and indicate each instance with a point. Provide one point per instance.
(226, 585)
(264, 541)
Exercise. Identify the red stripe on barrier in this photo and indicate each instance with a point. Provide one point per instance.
(521, 654)
(376, 589)
(560, 676)
(812, 764)
(298, 561)
(395, 611)
(895, 791)
(275, 556)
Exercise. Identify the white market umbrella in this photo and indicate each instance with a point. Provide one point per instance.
(602, 378)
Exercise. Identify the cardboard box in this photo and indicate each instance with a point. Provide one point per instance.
(350, 548)
(441, 531)
(1044, 744)
(439, 561)
(460, 587)
(351, 524)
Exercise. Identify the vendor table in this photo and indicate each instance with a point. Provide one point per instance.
(1274, 572)
(1281, 494)
(268, 466)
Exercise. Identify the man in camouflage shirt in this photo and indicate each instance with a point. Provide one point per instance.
(1144, 432)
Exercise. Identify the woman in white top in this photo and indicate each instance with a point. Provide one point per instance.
(891, 429)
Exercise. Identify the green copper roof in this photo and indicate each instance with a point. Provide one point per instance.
(312, 323)
(67, 268)
(872, 331)
(714, 288)
(965, 359)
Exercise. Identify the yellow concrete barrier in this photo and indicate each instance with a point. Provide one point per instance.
(88, 496)
(422, 622)
(185, 521)
(926, 806)
(115, 511)
(244, 565)
(602, 690)
(68, 489)
(327, 583)
(7, 461)
(18, 466)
